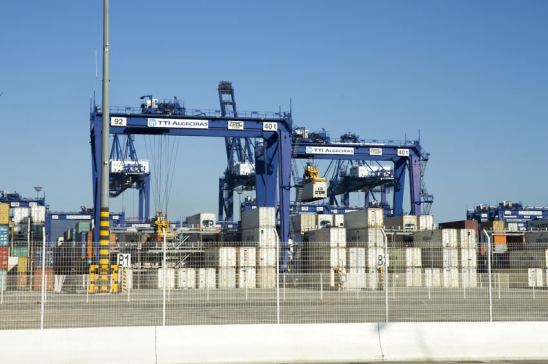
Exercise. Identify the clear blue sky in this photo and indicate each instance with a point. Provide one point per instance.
(471, 75)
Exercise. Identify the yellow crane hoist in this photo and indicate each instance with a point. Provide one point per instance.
(161, 225)
(314, 186)
(311, 174)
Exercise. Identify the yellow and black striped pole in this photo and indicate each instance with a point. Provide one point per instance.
(104, 256)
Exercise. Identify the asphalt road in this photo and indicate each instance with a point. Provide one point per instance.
(21, 309)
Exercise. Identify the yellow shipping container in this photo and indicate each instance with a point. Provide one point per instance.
(4, 214)
(498, 225)
(22, 264)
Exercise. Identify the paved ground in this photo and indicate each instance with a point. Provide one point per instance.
(21, 309)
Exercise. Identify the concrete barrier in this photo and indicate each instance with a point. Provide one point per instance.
(268, 343)
(279, 343)
(464, 341)
(79, 346)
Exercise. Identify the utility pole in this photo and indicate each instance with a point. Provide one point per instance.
(104, 234)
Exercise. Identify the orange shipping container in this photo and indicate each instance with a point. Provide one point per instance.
(37, 279)
(22, 280)
(112, 241)
(499, 239)
(89, 250)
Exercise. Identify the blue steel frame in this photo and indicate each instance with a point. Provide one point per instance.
(138, 179)
(404, 155)
(273, 166)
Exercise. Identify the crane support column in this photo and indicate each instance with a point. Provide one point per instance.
(285, 189)
(399, 183)
(415, 184)
(266, 169)
(144, 200)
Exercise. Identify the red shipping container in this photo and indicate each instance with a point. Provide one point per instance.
(4, 253)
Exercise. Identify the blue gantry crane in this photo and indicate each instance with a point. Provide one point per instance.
(128, 171)
(358, 168)
(272, 166)
(240, 170)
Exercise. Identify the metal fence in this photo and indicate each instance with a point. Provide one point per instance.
(240, 283)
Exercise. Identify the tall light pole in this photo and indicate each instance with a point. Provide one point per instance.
(104, 259)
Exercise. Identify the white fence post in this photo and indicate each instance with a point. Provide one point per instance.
(385, 264)
(489, 252)
(43, 285)
(164, 281)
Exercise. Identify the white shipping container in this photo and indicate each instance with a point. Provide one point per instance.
(260, 217)
(356, 278)
(468, 258)
(170, 278)
(338, 220)
(206, 278)
(324, 221)
(243, 169)
(356, 258)
(534, 277)
(447, 238)
(202, 220)
(467, 238)
(450, 277)
(404, 222)
(266, 257)
(322, 257)
(266, 237)
(405, 257)
(469, 277)
(303, 223)
(247, 257)
(336, 237)
(375, 257)
(221, 257)
(313, 191)
(370, 237)
(440, 257)
(38, 214)
(425, 222)
(227, 277)
(432, 277)
(20, 214)
(413, 277)
(3, 280)
(366, 218)
(247, 278)
(373, 279)
(266, 277)
(513, 226)
(186, 278)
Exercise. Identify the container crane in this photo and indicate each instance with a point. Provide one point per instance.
(363, 158)
(127, 171)
(240, 171)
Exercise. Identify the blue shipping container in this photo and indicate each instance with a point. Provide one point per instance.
(4, 235)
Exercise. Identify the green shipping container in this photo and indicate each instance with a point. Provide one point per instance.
(20, 251)
(83, 227)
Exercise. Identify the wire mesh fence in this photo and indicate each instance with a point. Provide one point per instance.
(244, 283)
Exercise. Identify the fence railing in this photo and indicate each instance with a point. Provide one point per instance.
(239, 283)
